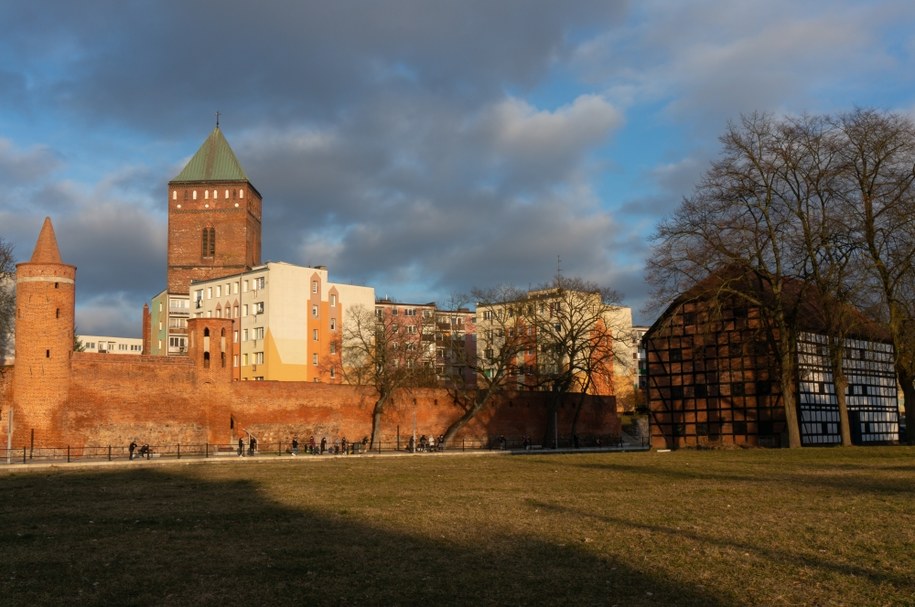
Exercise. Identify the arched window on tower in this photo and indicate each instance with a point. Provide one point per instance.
(208, 242)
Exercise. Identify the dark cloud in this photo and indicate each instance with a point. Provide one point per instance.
(420, 148)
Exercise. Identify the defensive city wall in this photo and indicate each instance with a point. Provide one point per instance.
(58, 397)
(113, 399)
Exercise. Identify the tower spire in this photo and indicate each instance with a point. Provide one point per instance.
(217, 119)
(46, 250)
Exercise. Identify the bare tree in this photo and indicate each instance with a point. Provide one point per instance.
(7, 295)
(382, 351)
(801, 210)
(737, 225)
(578, 343)
(499, 361)
(879, 197)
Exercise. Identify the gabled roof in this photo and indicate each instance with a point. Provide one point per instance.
(214, 161)
(46, 250)
(802, 300)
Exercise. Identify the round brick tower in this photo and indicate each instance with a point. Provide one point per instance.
(45, 308)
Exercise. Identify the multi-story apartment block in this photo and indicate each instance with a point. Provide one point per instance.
(547, 330)
(104, 344)
(455, 347)
(288, 320)
(441, 341)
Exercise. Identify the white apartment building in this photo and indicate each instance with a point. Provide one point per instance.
(288, 320)
(105, 344)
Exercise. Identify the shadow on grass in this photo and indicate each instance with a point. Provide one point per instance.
(846, 477)
(159, 537)
(774, 554)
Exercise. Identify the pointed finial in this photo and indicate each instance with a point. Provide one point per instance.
(217, 119)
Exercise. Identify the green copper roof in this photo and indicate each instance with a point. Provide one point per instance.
(214, 161)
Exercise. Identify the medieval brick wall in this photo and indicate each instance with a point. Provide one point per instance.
(165, 401)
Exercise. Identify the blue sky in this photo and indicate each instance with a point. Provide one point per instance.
(420, 147)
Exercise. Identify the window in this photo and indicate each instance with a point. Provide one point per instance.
(258, 358)
(259, 307)
(333, 347)
(258, 333)
(332, 373)
(314, 359)
(333, 324)
(314, 286)
(208, 242)
(259, 282)
(333, 300)
(218, 290)
(314, 335)
(314, 311)
(244, 335)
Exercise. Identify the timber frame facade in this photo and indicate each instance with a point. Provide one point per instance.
(713, 380)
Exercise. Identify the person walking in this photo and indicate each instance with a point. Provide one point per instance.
(132, 448)
(295, 445)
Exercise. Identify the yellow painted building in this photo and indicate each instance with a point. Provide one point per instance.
(288, 320)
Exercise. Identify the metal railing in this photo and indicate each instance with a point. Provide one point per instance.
(110, 453)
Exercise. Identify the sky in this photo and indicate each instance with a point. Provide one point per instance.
(421, 147)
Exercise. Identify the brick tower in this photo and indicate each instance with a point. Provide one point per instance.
(214, 217)
(45, 308)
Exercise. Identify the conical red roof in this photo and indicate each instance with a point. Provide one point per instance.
(46, 250)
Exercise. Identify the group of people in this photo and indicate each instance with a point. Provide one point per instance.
(143, 451)
(252, 446)
(341, 447)
(426, 444)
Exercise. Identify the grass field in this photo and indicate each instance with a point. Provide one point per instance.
(749, 527)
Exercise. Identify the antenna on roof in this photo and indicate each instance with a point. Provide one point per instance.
(217, 119)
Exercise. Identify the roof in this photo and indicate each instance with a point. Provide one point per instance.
(214, 161)
(809, 307)
(46, 250)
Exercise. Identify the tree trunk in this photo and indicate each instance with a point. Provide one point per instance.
(788, 382)
(377, 412)
(840, 382)
(469, 413)
(551, 436)
(578, 406)
(907, 382)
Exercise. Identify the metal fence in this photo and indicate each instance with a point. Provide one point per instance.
(102, 453)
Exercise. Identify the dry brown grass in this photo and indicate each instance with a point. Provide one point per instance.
(803, 527)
